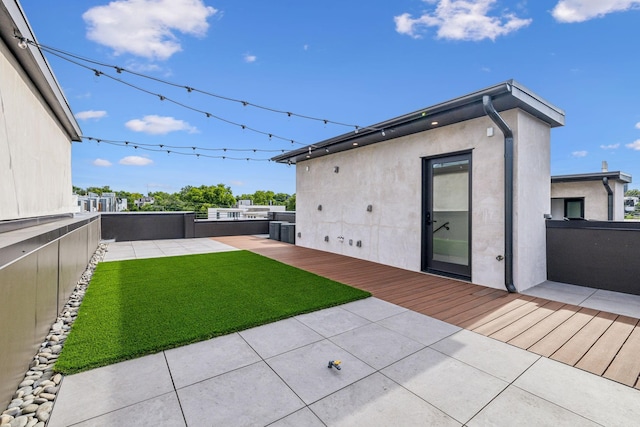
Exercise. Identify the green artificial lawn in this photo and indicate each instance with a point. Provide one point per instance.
(138, 307)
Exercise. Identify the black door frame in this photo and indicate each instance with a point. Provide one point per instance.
(442, 268)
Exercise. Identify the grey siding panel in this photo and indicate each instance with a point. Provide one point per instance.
(37, 275)
(598, 255)
(18, 341)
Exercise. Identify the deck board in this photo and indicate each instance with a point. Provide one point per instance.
(625, 367)
(526, 322)
(508, 318)
(598, 342)
(563, 333)
(601, 354)
(541, 329)
(579, 344)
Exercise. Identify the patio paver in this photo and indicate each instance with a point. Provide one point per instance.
(277, 375)
(530, 322)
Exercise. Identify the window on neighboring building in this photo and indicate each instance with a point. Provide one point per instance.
(574, 208)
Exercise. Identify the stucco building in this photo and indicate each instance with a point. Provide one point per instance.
(44, 247)
(460, 188)
(592, 196)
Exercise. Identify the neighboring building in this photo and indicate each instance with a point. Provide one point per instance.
(630, 204)
(106, 202)
(244, 210)
(460, 188)
(593, 196)
(146, 200)
(44, 247)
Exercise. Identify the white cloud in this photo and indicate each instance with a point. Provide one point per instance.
(147, 28)
(91, 114)
(102, 163)
(135, 161)
(583, 10)
(142, 68)
(579, 153)
(461, 20)
(638, 125)
(249, 58)
(635, 145)
(610, 146)
(158, 125)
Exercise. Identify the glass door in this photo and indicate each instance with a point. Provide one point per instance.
(446, 227)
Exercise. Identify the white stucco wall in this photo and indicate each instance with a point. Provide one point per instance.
(35, 152)
(388, 176)
(595, 198)
(531, 200)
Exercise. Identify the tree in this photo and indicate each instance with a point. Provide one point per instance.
(200, 199)
(245, 197)
(167, 202)
(131, 198)
(99, 190)
(632, 193)
(291, 203)
(79, 191)
(281, 198)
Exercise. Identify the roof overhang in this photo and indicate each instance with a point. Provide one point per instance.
(14, 22)
(617, 176)
(505, 96)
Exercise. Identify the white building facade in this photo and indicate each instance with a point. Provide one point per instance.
(426, 191)
(591, 196)
(38, 129)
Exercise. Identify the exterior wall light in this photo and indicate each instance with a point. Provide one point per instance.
(369, 208)
(336, 169)
(319, 207)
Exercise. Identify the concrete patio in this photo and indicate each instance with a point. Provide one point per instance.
(399, 367)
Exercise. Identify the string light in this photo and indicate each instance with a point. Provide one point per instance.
(22, 44)
(179, 147)
(66, 55)
(169, 152)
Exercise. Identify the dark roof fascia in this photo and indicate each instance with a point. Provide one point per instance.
(505, 96)
(13, 21)
(597, 176)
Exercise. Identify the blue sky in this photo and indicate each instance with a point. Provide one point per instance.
(351, 62)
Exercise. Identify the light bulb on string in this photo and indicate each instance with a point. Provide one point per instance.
(78, 60)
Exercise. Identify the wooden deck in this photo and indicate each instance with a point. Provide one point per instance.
(598, 342)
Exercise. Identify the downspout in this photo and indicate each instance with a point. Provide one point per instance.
(490, 110)
(605, 182)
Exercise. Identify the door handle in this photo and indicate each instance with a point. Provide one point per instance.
(429, 222)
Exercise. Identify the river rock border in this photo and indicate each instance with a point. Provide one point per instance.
(32, 403)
